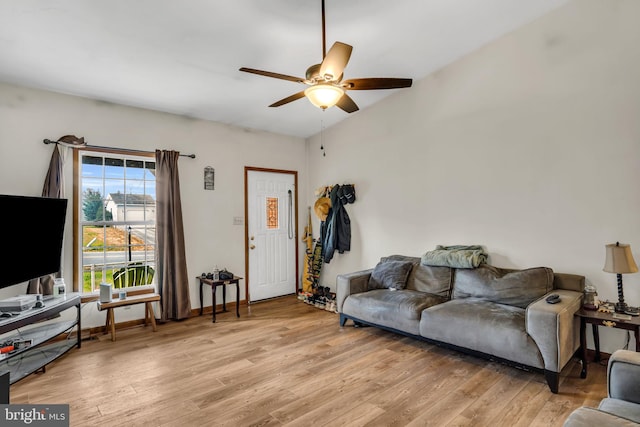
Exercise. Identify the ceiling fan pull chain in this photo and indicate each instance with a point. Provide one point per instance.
(324, 154)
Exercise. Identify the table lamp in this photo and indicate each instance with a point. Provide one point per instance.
(620, 261)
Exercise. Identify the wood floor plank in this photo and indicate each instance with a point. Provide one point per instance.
(450, 404)
(524, 406)
(284, 362)
(483, 410)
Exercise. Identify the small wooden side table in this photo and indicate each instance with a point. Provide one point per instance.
(149, 317)
(214, 284)
(596, 318)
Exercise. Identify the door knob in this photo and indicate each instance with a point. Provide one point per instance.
(251, 237)
(252, 247)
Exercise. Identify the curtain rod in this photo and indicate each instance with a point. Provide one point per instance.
(48, 141)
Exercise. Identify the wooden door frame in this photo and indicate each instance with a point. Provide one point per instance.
(248, 169)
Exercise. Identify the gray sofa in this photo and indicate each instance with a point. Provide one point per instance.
(621, 407)
(487, 311)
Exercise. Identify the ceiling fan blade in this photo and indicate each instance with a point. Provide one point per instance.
(274, 75)
(288, 99)
(376, 83)
(347, 104)
(337, 58)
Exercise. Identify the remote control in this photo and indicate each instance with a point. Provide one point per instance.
(553, 299)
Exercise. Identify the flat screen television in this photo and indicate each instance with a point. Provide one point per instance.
(32, 243)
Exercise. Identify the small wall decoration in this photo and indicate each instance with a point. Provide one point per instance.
(209, 178)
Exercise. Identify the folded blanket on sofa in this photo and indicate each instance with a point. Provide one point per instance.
(458, 256)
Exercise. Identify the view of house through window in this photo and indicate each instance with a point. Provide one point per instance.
(117, 220)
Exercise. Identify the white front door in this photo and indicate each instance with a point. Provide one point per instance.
(271, 229)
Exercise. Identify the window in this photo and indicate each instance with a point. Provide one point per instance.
(272, 213)
(117, 220)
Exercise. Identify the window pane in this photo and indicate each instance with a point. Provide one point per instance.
(93, 238)
(139, 207)
(91, 166)
(135, 169)
(93, 257)
(272, 212)
(116, 257)
(150, 188)
(116, 238)
(94, 184)
(136, 186)
(113, 168)
(93, 205)
(150, 170)
(114, 186)
(150, 238)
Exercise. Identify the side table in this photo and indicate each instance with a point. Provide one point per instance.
(596, 318)
(149, 316)
(214, 284)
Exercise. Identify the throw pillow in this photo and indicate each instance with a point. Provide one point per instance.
(518, 288)
(390, 275)
(425, 278)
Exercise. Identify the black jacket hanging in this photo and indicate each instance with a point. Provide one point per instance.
(338, 232)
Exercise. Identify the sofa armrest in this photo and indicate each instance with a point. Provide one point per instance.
(555, 328)
(352, 283)
(589, 417)
(623, 376)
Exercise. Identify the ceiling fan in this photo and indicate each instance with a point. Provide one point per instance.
(326, 87)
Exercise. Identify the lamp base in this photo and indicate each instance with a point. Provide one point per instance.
(621, 307)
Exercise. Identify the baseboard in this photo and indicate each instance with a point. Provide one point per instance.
(207, 309)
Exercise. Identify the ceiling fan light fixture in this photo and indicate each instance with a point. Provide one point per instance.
(326, 87)
(324, 96)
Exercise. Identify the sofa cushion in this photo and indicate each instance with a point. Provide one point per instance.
(390, 275)
(518, 288)
(621, 408)
(425, 278)
(484, 326)
(396, 309)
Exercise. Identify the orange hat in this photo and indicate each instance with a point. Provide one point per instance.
(321, 208)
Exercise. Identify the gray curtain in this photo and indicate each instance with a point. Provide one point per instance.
(54, 188)
(173, 280)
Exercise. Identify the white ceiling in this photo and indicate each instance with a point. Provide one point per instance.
(183, 56)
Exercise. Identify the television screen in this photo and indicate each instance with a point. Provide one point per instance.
(32, 244)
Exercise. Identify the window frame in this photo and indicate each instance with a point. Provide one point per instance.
(78, 276)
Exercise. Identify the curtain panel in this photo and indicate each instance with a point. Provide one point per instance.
(53, 188)
(173, 280)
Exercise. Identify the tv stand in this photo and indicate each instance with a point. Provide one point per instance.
(25, 361)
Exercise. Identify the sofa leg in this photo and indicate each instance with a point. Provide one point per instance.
(343, 319)
(553, 379)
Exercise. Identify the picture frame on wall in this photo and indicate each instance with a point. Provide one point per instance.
(209, 178)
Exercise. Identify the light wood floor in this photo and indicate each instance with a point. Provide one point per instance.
(287, 363)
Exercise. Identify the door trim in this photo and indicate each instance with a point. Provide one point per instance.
(248, 169)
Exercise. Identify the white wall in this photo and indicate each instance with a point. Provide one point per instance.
(529, 146)
(28, 116)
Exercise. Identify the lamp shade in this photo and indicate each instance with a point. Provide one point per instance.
(324, 95)
(619, 259)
